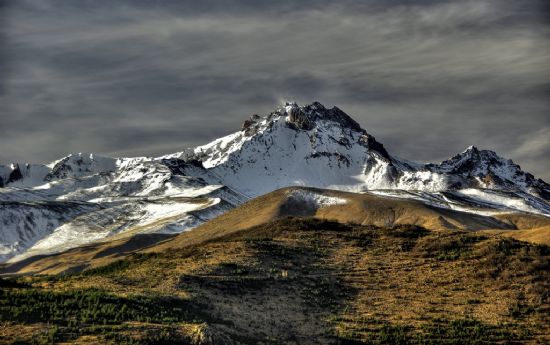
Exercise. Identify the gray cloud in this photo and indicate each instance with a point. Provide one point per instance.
(145, 78)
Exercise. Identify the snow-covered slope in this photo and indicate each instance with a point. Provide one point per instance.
(319, 147)
(85, 198)
(99, 197)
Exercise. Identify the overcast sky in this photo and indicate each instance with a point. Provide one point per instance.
(127, 78)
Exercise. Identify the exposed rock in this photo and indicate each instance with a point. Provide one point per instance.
(59, 170)
(250, 125)
(178, 166)
(344, 142)
(203, 334)
(370, 142)
(15, 174)
(341, 158)
(337, 115)
(299, 118)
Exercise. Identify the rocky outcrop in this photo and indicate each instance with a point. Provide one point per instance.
(204, 334)
(178, 166)
(59, 170)
(15, 174)
(299, 118)
(370, 142)
(305, 117)
(250, 126)
(334, 114)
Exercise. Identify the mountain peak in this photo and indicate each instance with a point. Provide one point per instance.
(305, 117)
(471, 149)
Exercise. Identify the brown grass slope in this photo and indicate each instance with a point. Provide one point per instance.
(77, 259)
(365, 209)
(539, 235)
(303, 281)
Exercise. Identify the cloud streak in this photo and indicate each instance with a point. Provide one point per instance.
(426, 78)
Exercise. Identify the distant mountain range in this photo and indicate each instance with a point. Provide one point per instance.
(83, 198)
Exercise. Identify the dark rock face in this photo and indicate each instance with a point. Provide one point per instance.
(337, 115)
(305, 117)
(544, 193)
(344, 142)
(300, 119)
(378, 147)
(370, 142)
(318, 111)
(340, 158)
(250, 125)
(60, 170)
(15, 174)
(178, 166)
(247, 123)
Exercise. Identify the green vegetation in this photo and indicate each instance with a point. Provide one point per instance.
(119, 265)
(78, 312)
(88, 306)
(407, 231)
(450, 246)
(465, 331)
(438, 331)
(511, 258)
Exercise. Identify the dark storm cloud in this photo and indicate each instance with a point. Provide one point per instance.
(427, 78)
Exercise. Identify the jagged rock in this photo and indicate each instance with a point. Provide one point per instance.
(59, 170)
(299, 118)
(178, 166)
(337, 115)
(370, 142)
(15, 174)
(249, 126)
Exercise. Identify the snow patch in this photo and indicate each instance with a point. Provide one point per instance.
(314, 199)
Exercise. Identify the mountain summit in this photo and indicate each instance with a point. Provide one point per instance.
(86, 197)
(314, 146)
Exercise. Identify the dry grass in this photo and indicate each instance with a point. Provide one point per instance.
(310, 281)
(539, 235)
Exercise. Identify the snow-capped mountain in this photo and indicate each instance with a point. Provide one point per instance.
(319, 147)
(85, 197)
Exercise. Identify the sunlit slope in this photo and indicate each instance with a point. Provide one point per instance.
(295, 281)
(344, 207)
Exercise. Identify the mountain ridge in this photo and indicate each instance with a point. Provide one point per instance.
(294, 145)
(490, 170)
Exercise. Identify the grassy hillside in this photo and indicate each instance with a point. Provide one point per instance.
(295, 281)
(365, 209)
